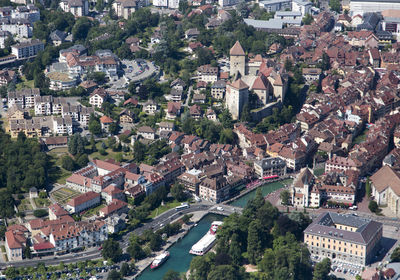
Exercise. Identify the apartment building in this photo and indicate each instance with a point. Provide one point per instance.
(74, 235)
(207, 73)
(346, 238)
(78, 8)
(214, 190)
(62, 125)
(24, 98)
(16, 240)
(27, 49)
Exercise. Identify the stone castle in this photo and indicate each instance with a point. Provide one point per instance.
(267, 81)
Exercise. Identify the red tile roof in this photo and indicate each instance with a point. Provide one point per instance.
(237, 49)
(85, 197)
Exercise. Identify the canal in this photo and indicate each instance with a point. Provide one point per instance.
(265, 189)
(179, 259)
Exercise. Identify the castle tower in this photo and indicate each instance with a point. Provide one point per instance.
(237, 59)
(237, 94)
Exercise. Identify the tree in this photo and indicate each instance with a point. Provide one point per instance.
(81, 28)
(82, 160)
(40, 213)
(322, 270)
(177, 191)
(125, 269)
(94, 125)
(111, 250)
(308, 19)
(27, 252)
(171, 275)
(135, 250)
(155, 241)
(100, 6)
(373, 206)
(67, 163)
(114, 275)
(335, 5)
(113, 128)
(254, 248)
(139, 151)
(285, 197)
(395, 257)
(368, 189)
(326, 63)
(245, 116)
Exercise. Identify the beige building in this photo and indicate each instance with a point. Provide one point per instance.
(303, 191)
(385, 185)
(345, 238)
(214, 190)
(237, 60)
(237, 95)
(83, 202)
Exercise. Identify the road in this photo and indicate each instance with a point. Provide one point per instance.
(94, 253)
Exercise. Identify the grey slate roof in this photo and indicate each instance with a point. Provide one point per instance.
(324, 226)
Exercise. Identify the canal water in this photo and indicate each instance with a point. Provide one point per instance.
(179, 259)
(265, 189)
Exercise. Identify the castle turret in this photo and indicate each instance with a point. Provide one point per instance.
(237, 59)
(237, 94)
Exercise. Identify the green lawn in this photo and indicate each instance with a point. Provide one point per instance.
(360, 138)
(161, 209)
(25, 84)
(319, 172)
(42, 202)
(93, 211)
(110, 153)
(57, 174)
(64, 194)
(25, 205)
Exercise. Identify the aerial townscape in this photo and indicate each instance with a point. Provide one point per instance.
(200, 139)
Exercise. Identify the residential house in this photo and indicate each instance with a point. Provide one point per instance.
(218, 89)
(146, 132)
(150, 107)
(126, 116)
(116, 206)
(98, 97)
(173, 110)
(105, 123)
(207, 73)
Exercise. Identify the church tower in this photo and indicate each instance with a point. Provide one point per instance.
(237, 60)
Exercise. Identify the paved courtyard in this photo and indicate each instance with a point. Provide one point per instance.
(134, 71)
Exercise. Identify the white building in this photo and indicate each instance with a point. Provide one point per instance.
(173, 4)
(302, 6)
(160, 3)
(62, 126)
(24, 98)
(372, 6)
(224, 3)
(82, 202)
(27, 49)
(78, 8)
(124, 8)
(20, 28)
(275, 5)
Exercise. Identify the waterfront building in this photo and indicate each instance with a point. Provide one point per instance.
(346, 238)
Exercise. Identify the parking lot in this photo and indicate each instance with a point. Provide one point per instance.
(134, 71)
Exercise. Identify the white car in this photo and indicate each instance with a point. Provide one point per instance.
(219, 208)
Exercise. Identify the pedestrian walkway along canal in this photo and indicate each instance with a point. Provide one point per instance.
(179, 259)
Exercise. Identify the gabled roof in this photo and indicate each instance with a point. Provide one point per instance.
(237, 49)
(239, 84)
(261, 83)
(105, 119)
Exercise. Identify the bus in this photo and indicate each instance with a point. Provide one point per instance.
(182, 206)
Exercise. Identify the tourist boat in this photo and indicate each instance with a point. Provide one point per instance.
(207, 241)
(159, 260)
